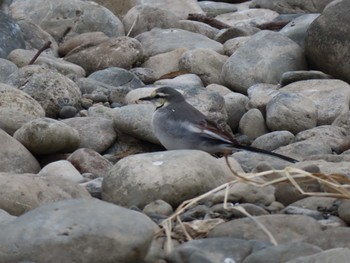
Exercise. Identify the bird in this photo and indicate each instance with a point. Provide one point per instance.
(179, 125)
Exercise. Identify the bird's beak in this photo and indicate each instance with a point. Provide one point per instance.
(146, 98)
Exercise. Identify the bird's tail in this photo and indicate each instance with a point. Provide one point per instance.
(257, 150)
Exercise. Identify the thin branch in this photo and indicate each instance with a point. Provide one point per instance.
(41, 50)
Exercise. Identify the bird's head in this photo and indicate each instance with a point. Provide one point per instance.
(164, 96)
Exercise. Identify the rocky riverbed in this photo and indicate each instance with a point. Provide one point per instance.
(83, 177)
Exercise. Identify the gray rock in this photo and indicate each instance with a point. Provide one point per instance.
(297, 28)
(141, 18)
(180, 7)
(331, 96)
(5, 217)
(17, 108)
(273, 140)
(6, 69)
(94, 187)
(220, 89)
(89, 161)
(121, 52)
(198, 27)
(21, 193)
(327, 42)
(291, 6)
(98, 110)
(159, 41)
(316, 203)
(50, 88)
(142, 178)
(11, 36)
(67, 112)
(221, 249)
(46, 136)
(35, 37)
(333, 237)
(260, 94)
(158, 207)
(343, 121)
(95, 133)
(57, 18)
(185, 81)
(286, 229)
(146, 75)
(343, 210)
(62, 169)
(293, 210)
(165, 63)
(252, 124)
(231, 45)
(59, 231)
(291, 112)
(333, 136)
(235, 31)
(214, 9)
(205, 63)
(267, 55)
(248, 17)
(235, 104)
(282, 253)
(22, 58)
(15, 158)
(331, 255)
(135, 120)
(294, 76)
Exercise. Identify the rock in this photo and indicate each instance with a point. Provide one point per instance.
(230, 212)
(327, 42)
(23, 192)
(260, 94)
(159, 41)
(316, 203)
(231, 45)
(101, 111)
(221, 249)
(17, 108)
(11, 37)
(249, 17)
(50, 88)
(286, 229)
(285, 252)
(135, 120)
(119, 81)
(181, 8)
(6, 69)
(235, 104)
(121, 52)
(220, 89)
(294, 76)
(62, 169)
(343, 210)
(95, 133)
(67, 112)
(252, 124)
(134, 179)
(165, 63)
(35, 37)
(329, 135)
(333, 237)
(293, 210)
(81, 41)
(291, 6)
(22, 58)
(331, 97)
(57, 18)
(158, 207)
(291, 112)
(15, 158)
(46, 136)
(198, 27)
(331, 255)
(246, 193)
(343, 121)
(146, 75)
(94, 187)
(297, 28)
(141, 18)
(273, 140)
(205, 63)
(5, 217)
(183, 81)
(261, 61)
(62, 232)
(213, 9)
(89, 161)
(235, 31)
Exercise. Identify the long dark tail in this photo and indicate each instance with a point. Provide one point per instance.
(257, 150)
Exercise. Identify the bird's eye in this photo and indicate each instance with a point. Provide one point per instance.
(158, 96)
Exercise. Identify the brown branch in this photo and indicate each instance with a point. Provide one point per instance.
(274, 25)
(208, 20)
(41, 50)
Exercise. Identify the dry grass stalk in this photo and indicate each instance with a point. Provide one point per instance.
(338, 185)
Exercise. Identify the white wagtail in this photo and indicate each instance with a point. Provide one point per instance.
(178, 125)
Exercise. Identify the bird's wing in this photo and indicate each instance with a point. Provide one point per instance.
(211, 130)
